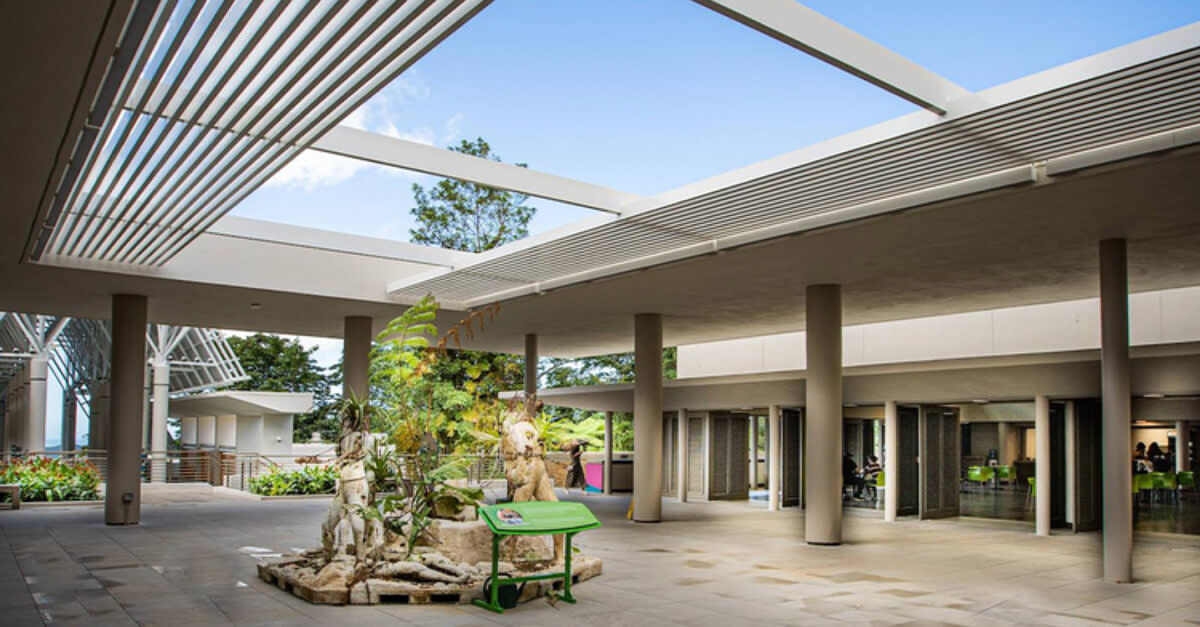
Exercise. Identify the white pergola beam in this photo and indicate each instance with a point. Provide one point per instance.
(810, 32)
(409, 155)
(394, 152)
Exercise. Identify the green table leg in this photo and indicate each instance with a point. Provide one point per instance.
(493, 604)
(567, 576)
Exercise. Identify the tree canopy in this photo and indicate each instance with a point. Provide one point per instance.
(279, 364)
(466, 216)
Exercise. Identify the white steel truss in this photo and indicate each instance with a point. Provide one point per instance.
(78, 350)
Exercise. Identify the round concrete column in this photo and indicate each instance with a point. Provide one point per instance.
(1114, 386)
(1182, 437)
(823, 420)
(775, 457)
(647, 418)
(1041, 428)
(123, 492)
(69, 415)
(158, 422)
(891, 461)
(35, 417)
(608, 451)
(98, 409)
(356, 357)
(681, 455)
(531, 365)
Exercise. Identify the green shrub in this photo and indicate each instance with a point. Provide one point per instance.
(309, 480)
(46, 479)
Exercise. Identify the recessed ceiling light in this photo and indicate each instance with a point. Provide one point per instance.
(1153, 395)
(981, 401)
(850, 405)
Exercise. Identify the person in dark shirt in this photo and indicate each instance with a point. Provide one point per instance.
(850, 475)
(1158, 459)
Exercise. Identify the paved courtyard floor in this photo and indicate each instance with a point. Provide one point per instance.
(193, 562)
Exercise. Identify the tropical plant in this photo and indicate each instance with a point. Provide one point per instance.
(308, 480)
(46, 479)
(382, 465)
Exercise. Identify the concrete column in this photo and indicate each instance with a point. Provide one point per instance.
(1070, 462)
(98, 415)
(356, 356)
(531, 365)
(147, 418)
(69, 415)
(754, 451)
(5, 438)
(891, 461)
(1002, 443)
(1114, 390)
(1041, 428)
(775, 469)
(20, 401)
(1182, 437)
(122, 499)
(158, 421)
(608, 451)
(647, 418)
(35, 420)
(823, 423)
(681, 455)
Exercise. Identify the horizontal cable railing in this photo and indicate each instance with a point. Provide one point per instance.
(237, 469)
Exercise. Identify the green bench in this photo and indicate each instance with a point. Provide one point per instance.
(533, 518)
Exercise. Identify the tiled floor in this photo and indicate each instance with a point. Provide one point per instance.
(711, 564)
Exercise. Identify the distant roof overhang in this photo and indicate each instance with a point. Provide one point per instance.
(1172, 370)
(241, 404)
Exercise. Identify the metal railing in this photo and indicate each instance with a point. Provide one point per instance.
(235, 470)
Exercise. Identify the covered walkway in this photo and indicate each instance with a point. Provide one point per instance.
(715, 563)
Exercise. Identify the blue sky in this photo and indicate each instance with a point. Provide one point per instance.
(648, 95)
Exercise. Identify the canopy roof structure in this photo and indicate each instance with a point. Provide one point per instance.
(241, 404)
(166, 114)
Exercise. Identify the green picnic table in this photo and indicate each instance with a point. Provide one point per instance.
(533, 518)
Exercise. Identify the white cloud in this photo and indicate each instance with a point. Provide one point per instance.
(312, 169)
(453, 128)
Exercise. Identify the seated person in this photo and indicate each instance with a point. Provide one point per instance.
(850, 475)
(871, 469)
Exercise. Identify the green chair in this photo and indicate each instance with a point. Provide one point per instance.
(1144, 483)
(1032, 494)
(979, 474)
(1164, 484)
(1005, 473)
(1187, 480)
(879, 482)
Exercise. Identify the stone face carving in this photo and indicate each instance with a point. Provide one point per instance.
(524, 466)
(525, 469)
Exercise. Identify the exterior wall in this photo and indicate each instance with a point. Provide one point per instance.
(187, 429)
(1162, 317)
(227, 431)
(207, 432)
(277, 434)
(249, 437)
